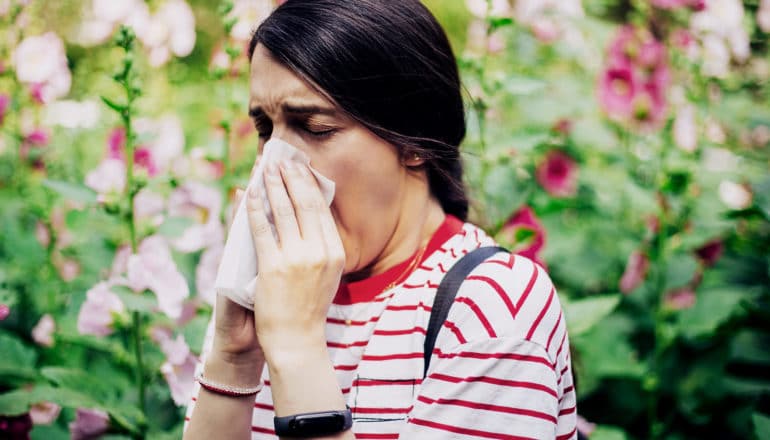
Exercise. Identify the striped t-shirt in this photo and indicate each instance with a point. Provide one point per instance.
(500, 368)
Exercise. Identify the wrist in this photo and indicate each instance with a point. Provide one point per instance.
(234, 370)
(287, 348)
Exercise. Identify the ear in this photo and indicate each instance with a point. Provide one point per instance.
(413, 160)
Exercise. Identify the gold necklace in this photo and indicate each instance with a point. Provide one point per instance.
(408, 271)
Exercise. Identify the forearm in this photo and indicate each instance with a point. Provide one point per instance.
(220, 416)
(302, 379)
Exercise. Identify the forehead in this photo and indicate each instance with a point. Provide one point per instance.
(272, 84)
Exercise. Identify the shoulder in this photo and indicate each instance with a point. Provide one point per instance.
(506, 296)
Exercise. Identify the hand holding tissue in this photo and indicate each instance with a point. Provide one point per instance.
(237, 274)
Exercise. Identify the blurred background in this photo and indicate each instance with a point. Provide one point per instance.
(624, 144)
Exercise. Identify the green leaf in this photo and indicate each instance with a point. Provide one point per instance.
(583, 314)
(78, 380)
(174, 227)
(605, 432)
(761, 192)
(496, 23)
(761, 425)
(18, 401)
(680, 270)
(16, 355)
(49, 432)
(712, 307)
(72, 191)
(195, 331)
(120, 108)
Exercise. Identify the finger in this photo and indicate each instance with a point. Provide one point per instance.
(306, 198)
(261, 232)
(283, 211)
(237, 197)
(331, 236)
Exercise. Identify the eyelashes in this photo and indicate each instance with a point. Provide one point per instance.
(265, 128)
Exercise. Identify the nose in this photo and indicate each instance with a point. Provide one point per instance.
(286, 134)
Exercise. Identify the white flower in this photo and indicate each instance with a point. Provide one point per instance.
(734, 195)
(720, 27)
(109, 177)
(171, 30)
(202, 204)
(166, 139)
(113, 11)
(153, 268)
(500, 8)
(716, 57)
(686, 129)
(73, 114)
(763, 16)
(41, 61)
(249, 13)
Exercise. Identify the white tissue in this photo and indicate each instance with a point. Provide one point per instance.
(237, 274)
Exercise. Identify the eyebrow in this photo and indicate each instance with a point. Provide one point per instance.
(302, 110)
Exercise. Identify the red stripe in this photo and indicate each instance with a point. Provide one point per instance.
(540, 316)
(348, 345)
(345, 367)
(567, 436)
(479, 314)
(409, 307)
(528, 289)
(366, 410)
(348, 323)
(390, 357)
(503, 295)
(458, 334)
(408, 331)
(377, 436)
(553, 332)
(567, 411)
(467, 431)
(441, 268)
(264, 406)
(495, 381)
(413, 286)
(477, 355)
(262, 430)
(378, 382)
(489, 407)
(561, 347)
(508, 264)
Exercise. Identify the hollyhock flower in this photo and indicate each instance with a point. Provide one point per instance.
(671, 4)
(170, 30)
(5, 103)
(149, 205)
(165, 144)
(649, 105)
(249, 14)
(617, 90)
(96, 315)
(42, 61)
(68, 268)
(42, 333)
(89, 424)
(15, 427)
(720, 27)
(710, 252)
(179, 367)
(735, 195)
(153, 268)
(72, 114)
(635, 273)
(686, 129)
(202, 204)
(479, 8)
(684, 40)
(197, 166)
(120, 261)
(108, 178)
(42, 234)
(680, 299)
(763, 16)
(37, 138)
(44, 413)
(525, 219)
(557, 174)
(206, 273)
(549, 20)
(4, 311)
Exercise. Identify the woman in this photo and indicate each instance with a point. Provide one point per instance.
(369, 90)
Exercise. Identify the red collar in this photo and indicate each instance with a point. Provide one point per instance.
(365, 290)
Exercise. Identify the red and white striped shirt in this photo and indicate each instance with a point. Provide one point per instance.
(500, 367)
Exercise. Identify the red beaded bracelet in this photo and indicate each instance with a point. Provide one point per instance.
(226, 390)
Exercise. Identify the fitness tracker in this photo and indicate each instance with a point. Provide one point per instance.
(315, 424)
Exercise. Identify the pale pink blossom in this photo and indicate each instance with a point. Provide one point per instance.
(42, 61)
(670, 4)
(197, 166)
(4, 311)
(479, 8)
(109, 177)
(170, 30)
(723, 36)
(202, 204)
(68, 268)
(763, 16)
(165, 140)
(96, 315)
(73, 114)
(680, 299)
(179, 367)
(206, 273)
(585, 426)
(249, 14)
(120, 261)
(557, 174)
(153, 268)
(43, 331)
(686, 129)
(89, 424)
(149, 205)
(102, 18)
(42, 234)
(635, 272)
(44, 413)
(549, 20)
(735, 195)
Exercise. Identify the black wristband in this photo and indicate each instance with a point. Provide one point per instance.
(315, 424)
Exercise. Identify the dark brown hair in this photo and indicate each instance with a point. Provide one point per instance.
(389, 65)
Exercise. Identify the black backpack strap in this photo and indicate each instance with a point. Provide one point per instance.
(447, 290)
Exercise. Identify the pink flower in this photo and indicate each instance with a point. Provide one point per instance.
(763, 16)
(584, 426)
(635, 273)
(153, 268)
(671, 4)
(15, 427)
(108, 178)
(558, 174)
(149, 205)
(202, 204)
(42, 61)
(96, 315)
(143, 159)
(525, 219)
(617, 90)
(37, 138)
(179, 368)
(116, 143)
(4, 311)
(206, 273)
(68, 268)
(680, 299)
(42, 333)
(44, 413)
(710, 252)
(5, 102)
(89, 424)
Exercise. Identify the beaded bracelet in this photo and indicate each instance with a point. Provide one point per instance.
(226, 390)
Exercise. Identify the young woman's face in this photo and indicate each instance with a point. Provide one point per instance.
(372, 183)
